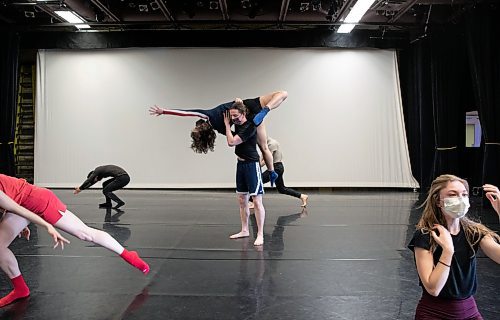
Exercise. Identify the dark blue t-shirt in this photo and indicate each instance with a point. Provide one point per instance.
(216, 115)
(462, 281)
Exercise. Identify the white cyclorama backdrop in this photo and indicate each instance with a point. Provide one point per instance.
(341, 126)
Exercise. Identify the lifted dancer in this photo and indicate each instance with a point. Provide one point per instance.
(203, 135)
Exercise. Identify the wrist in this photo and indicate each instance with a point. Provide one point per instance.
(444, 264)
(448, 251)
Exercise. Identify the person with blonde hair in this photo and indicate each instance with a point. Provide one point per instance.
(445, 244)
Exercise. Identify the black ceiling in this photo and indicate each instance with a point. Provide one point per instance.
(410, 16)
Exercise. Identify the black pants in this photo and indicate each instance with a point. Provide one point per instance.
(114, 184)
(280, 184)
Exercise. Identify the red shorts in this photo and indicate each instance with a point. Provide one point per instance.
(44, 203)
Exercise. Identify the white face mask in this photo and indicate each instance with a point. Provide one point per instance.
(456, 207)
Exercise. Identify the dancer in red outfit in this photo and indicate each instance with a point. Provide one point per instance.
(20, 199)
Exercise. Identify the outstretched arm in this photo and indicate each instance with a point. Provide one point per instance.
(91, 180)
(11, 206)
(274, 99)
(157, 111)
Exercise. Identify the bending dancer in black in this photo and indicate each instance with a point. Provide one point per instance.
(120, 179)
(203, 134)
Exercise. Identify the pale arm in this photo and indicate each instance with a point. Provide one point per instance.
(493, 194)
(231, 140)
(434, 277)
(158, 111)
(491, 248)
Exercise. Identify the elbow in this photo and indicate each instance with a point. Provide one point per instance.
(433, 291)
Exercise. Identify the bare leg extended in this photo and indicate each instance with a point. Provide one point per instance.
(244, 213)
(269, 102)
(262, 142)
(10, 226)
(260, 217)
(74, 226)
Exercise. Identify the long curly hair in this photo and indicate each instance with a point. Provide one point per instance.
(432, 214)
(203, 137)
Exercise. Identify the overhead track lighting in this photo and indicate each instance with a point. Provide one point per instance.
(357, 12)
(72, 17)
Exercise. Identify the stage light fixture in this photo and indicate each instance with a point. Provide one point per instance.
(214, 5)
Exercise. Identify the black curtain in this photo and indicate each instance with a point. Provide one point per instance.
(434, 78)
(447, 62)
(9, 52)
(414, 66)
(482, 39)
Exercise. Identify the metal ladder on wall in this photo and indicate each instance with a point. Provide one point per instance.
(24, 151)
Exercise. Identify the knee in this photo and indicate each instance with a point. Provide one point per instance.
(85, 235)
(242, 202)
(257, 201)
(107, 193)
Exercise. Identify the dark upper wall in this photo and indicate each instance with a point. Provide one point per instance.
(199, 38)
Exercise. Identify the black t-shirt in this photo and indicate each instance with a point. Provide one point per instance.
(248, 148)
(253, 106)
(462, 281)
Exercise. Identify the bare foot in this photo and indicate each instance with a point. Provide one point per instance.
(250, 205)
(259, 241)
(304, 197)
(242, 234)
(304, 212)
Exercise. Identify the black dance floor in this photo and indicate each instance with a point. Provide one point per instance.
(345, 257)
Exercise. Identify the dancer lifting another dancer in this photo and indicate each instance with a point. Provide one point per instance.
(248, 174)
(203, 135)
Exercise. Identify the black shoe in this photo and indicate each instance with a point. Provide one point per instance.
(119, 204)
(105, 205)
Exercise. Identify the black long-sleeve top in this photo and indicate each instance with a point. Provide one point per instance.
(102, 172)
